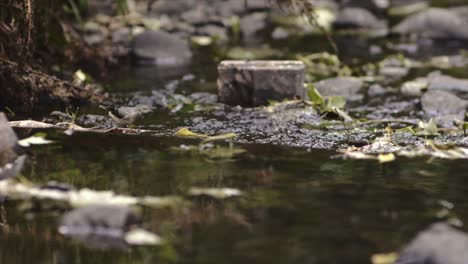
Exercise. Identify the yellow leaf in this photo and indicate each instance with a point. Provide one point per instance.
(389, 157)
(186, 133)
(387, 258)
(219, 137)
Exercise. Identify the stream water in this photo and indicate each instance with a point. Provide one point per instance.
(298, 206)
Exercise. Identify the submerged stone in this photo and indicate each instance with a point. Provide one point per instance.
(100, 226)
(253, 83)
(161, 49)
(434, 23)
(439, 244)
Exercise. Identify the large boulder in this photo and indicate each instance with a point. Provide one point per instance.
(439, 244)
(161, 49)
(434, 23)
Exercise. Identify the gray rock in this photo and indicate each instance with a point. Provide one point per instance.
(355, 17)
(439, 244)
(215, 31)
(376, 90)
(8, 137)
(251, 25)
(161, 49)
(11, 170)
(253, 83)
(122, 35)
(434, 23)
(129, 114)
(348, 87)
(171, 8)
(437, 81)
(443, 106)
(203, 98)
(100, 226)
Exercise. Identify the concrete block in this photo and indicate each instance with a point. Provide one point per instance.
(254, 83)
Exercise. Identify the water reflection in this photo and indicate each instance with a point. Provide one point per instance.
(298, 207)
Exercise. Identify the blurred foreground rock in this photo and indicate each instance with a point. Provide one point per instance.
(8, 140)
(439, 244)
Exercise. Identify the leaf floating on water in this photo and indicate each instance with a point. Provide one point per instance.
(29, 124)
(383, 158)
(219, 137)
(141, 237)
(186, 133)
(83, 197)
(219, 193)
(38, 139)
(386, 258)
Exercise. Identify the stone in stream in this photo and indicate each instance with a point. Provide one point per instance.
(100, 226)
(444, 107)
(129, 114)
(253, 83)
(161, 49)
(348, 87)
(434, 23)
(439, 244)
(8, 137)
(355, 17)
(8, 140)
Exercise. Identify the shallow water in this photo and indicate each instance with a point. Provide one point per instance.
(298, 206)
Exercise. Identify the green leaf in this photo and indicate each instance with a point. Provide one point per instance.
(428, 129)
(314, 96)
(336, 102)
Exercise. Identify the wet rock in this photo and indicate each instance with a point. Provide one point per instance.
(8, 138)
(122, 35)
(11, 170)
(434, 23)
(414, 87)
(203, 98)
(374, 5)
(439, 244)
(253, 83)
(443, 106)
(355, 17)
(161, 49)
(251, 25)
(437, 81)
(215, 31)
(94, 33)
(376, 90)
(348, 87)
(394, 68)
(280, 33)
(434, 81)
(100, 226)
(97, 121)
(129, 114)
(170, 8)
